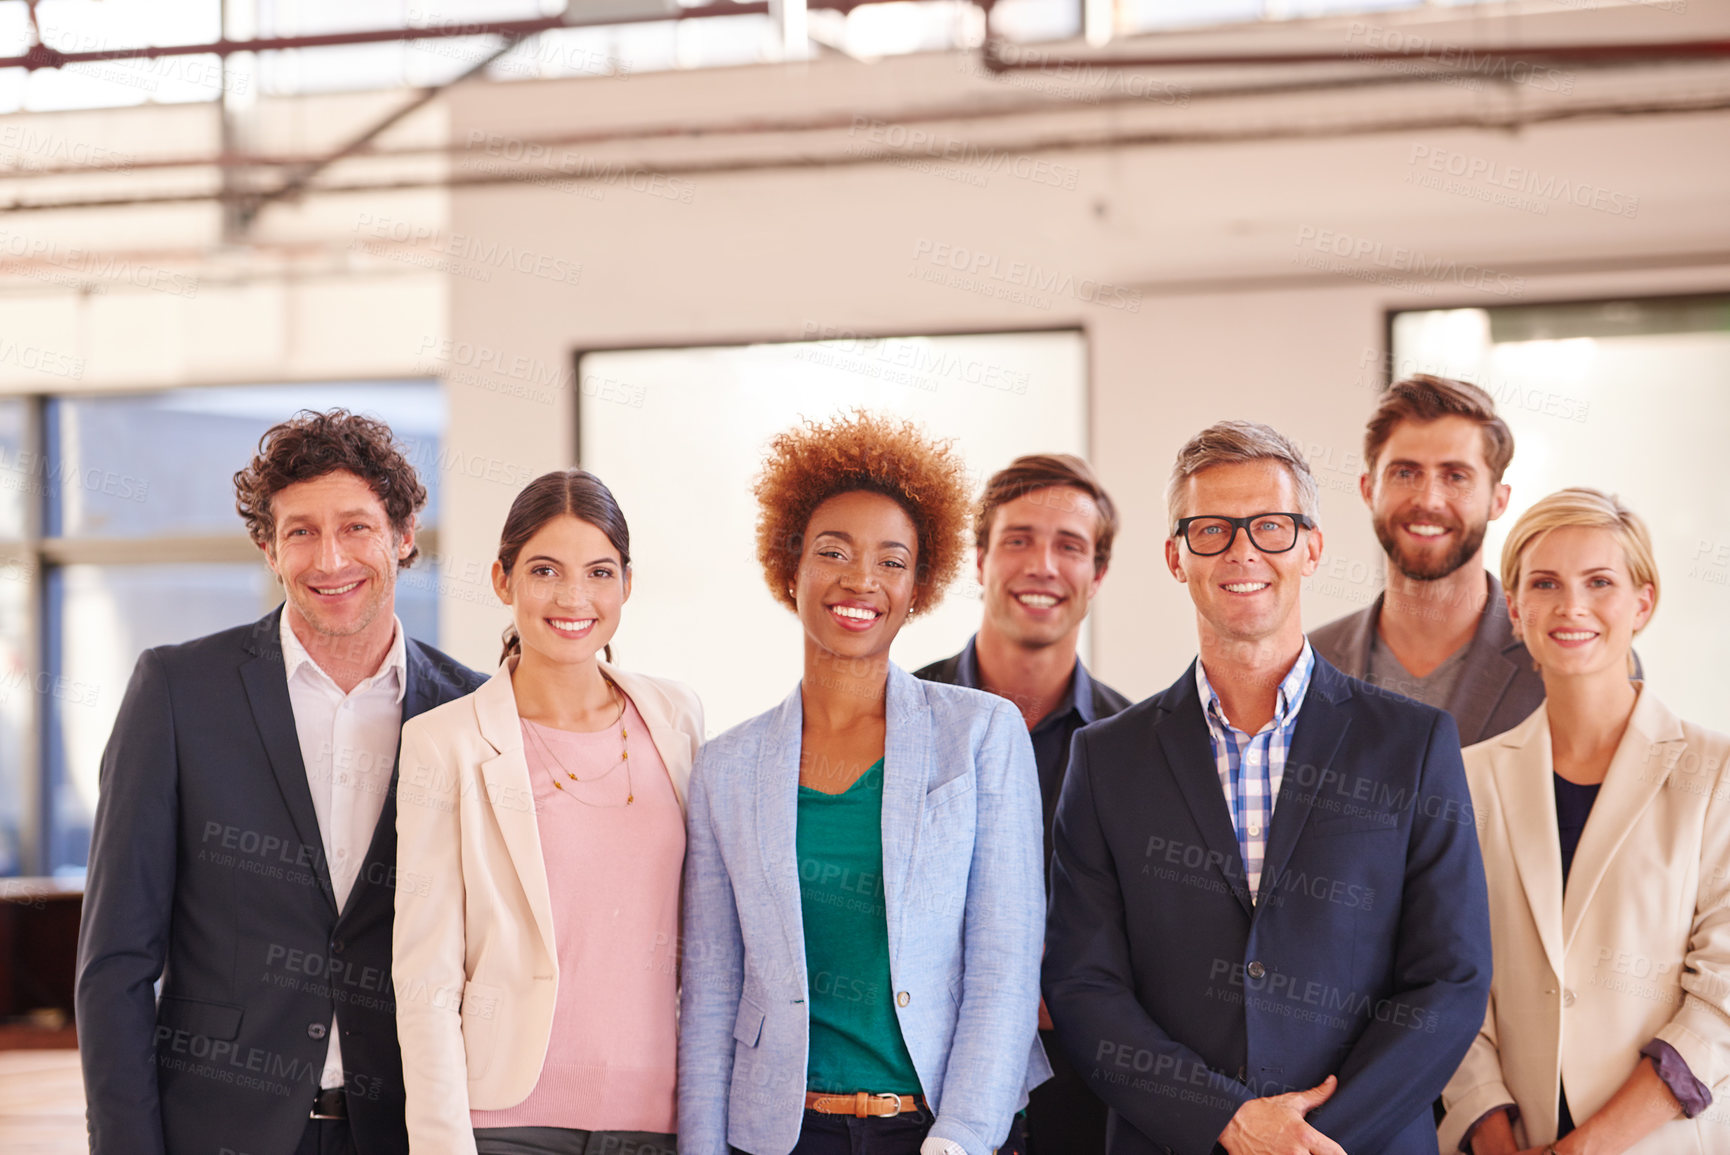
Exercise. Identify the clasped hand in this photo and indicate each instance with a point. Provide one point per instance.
(1275, 1125)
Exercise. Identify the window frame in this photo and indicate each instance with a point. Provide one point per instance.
(44, 554)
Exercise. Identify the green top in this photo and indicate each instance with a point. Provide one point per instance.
(856, 1042)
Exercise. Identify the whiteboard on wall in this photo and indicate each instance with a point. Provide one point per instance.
(679, 436)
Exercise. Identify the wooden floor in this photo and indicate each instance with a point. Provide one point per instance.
(41, 1103)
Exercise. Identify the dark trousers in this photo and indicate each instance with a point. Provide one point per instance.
(1064, 1116)
(570, 1141)
(326, 1137)
(894, 1135)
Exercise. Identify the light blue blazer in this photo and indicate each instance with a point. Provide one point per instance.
(965, 892)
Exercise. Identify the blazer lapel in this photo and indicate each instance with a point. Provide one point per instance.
(1183, 738)
(1356, 649)
(1321, 726)
(1638, 771)
(1488, 669)
(512, 797)
(777, 789)
(1520, 767)
(907, 750)
(265, 678)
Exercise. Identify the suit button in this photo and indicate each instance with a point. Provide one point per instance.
(901, 999)
(1255, 970)
(315, 1030)
(1567, 998)
(337, 946)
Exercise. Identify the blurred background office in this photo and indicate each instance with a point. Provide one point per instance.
(643, 235)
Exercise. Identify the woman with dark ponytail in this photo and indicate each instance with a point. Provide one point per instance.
(540, 840)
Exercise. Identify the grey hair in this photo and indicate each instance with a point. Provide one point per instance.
(1235, 442)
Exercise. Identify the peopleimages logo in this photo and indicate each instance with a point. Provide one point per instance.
(988, 273)
(1399, 259)
(1541, 188)
(1478, 62)
(900, 142)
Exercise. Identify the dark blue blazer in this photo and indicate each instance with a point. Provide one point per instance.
(207, 870)
(1366, 956)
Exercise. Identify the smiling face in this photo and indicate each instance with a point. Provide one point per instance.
(1431, 496)
(1577, 607)
(566, 591)
(1244, 595)
(336, 556)
(1037, 566)
(854, 587)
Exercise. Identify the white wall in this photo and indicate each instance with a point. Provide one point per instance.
(1229, 324)
(1204, 236)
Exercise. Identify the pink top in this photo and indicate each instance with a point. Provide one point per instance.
(613, 872)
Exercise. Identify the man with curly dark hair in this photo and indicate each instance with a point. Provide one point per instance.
(864, 891)
(244, 848)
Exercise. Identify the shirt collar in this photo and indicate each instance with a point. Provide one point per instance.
(1292, 689)
(394, 666)
(967, 666)
(1079, 695)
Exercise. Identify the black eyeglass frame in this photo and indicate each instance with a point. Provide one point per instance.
(1303, 521)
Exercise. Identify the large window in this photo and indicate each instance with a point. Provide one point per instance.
(118, 532)
(1632, 397)
(678, 435)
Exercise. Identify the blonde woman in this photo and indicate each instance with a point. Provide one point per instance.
(1605, 825)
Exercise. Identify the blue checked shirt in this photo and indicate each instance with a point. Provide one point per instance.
(1251, 766)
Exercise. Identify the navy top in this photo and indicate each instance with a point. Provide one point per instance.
(1573, 807)
(1051, 737)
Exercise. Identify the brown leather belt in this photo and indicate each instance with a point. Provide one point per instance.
(863, 1104)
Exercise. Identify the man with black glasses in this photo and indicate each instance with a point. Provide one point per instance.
(1269, 928)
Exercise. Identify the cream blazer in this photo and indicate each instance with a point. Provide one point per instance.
(475, 963)
(1639, 950)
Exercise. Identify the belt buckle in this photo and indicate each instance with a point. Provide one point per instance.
(898, 1107)
(333, 1095)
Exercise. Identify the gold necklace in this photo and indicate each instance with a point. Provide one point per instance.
(624, 758)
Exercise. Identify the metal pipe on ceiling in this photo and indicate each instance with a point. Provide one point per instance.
(1023, 58)
(973, 110)
(1056, 142)
(43, 56)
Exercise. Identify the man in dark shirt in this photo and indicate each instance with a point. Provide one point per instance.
(1043, 535)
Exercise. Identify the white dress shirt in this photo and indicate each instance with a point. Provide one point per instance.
(348, 743)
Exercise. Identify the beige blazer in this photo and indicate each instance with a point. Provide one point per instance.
(475, 962)
(1638, 949)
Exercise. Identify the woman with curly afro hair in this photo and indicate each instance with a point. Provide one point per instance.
(864, 898)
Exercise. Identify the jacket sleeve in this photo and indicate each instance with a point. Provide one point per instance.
(1476, 1089)
(429, 952)
(1441, 966)
(711, 978)
(999, 1016)
(1162, 1087)
(123, 933)
(1700, 1028)
(1478, 1086)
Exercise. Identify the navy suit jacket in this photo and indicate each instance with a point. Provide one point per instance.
(1366, 954)
(207, 870)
